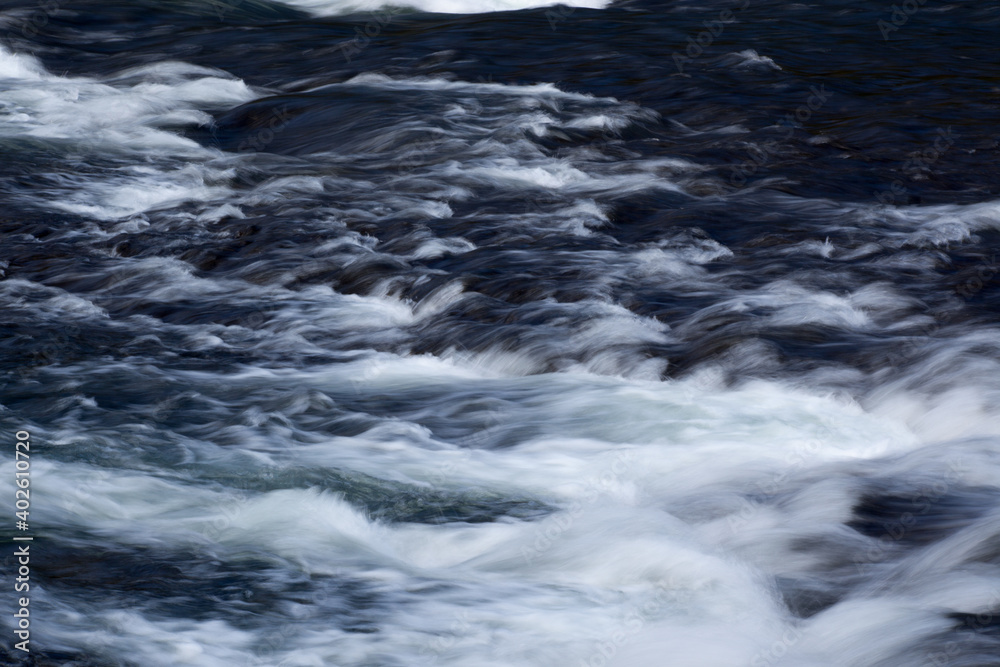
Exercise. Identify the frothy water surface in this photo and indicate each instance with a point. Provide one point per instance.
(536, 337)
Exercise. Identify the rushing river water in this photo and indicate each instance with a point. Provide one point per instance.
(651, 334)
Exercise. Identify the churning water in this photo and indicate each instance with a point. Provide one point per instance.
(482, 333)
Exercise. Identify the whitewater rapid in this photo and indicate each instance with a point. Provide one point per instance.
(419, 370)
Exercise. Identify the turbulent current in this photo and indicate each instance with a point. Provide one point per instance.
(484, 333)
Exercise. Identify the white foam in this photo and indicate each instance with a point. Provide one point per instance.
(122, 115)
(535, 90)
(612, 572)
(20, 66)
(749, 57)
(675, 505)
(339, 7)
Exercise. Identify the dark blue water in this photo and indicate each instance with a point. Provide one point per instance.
(648, 334)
